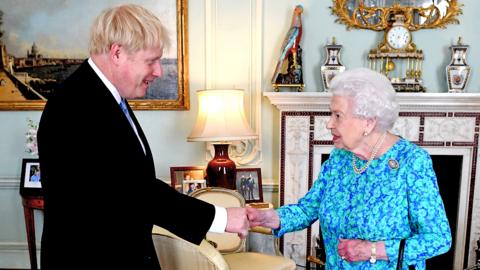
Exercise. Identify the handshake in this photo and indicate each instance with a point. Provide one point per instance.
(241, 220)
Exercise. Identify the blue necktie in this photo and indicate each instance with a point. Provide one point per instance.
(123, 105)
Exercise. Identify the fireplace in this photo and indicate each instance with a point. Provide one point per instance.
(446, 125)
(448, 170)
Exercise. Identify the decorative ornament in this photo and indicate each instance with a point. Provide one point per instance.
(458, 71)
(31, 146)
(398, 57)
(393, 164)
(288, 71)
(332, 65)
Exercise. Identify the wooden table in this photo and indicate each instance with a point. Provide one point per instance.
(29, 204)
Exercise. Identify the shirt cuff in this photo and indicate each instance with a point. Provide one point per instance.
(219, 223)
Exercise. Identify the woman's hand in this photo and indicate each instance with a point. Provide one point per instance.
(356, 250)
(263, 217)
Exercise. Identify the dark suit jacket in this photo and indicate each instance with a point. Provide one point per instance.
(101, 194)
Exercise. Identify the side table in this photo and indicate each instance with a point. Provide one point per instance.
(29, 204)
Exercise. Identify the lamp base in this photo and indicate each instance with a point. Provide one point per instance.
(221, 169)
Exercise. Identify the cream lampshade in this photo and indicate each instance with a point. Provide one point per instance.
(221, 120)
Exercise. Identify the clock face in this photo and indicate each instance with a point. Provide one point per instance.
(398, 37)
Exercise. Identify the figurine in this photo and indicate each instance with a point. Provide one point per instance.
(288, 72)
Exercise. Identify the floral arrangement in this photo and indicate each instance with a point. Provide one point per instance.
(31, 138)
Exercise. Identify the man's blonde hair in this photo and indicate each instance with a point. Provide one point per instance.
(131, 26)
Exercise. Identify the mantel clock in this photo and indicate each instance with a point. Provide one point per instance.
(396, 55)
(398, 58)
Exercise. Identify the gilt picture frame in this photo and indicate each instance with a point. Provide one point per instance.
(51, 38)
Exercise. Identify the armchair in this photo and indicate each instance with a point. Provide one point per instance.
(229, 254)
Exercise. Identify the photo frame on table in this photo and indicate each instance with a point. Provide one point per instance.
(185, 174)
(190, 186)
(249, 184)
(45, 51)
(30, 181)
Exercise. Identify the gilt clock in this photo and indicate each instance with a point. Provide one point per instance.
(398, 37)
(396, 55)
(398, 58)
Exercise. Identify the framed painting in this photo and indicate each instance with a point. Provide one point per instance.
(30, 181)
(180, 177)
(43, 42)
(249, 183)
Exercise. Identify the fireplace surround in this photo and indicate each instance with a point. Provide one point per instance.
(445, 124)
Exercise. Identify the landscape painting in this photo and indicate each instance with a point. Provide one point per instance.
(43, 42)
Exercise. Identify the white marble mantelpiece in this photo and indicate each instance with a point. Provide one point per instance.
(315, 101)
(442, 123)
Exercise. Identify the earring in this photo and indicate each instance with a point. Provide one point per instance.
(365, 133)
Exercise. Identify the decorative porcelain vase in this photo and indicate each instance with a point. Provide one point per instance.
(458, 71)
(332, 65)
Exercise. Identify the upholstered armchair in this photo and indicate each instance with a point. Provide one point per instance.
(219, 251)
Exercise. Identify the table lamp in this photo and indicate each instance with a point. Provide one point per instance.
(221, 120)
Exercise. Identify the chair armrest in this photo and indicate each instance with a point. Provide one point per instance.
(265, 230)
(264, 206)
(262, 230)
(315, 260)
(178, 252)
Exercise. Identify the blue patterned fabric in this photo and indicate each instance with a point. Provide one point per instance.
(381, 204)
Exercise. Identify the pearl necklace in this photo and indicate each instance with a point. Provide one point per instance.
(372, 156)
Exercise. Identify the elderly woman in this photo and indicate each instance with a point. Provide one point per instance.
(375, 189)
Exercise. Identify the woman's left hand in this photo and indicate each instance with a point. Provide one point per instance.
(354, 250)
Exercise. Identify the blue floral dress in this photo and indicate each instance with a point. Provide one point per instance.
(384, 203)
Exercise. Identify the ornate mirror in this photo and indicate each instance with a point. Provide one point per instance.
(378, 14)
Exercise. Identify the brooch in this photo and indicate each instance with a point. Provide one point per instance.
(393, 164)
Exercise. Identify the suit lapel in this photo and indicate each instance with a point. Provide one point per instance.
(107, 95)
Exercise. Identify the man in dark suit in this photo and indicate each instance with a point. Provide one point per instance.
(100, 216)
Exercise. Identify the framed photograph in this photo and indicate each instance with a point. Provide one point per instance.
(30, 181)
(190, 186)
(178, 175)
(249, 184)
(45, 42)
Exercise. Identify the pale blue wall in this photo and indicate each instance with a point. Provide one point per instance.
(319, 27)
(167, 130)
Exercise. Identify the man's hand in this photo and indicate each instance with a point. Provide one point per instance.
(237, 221)
(263, 217)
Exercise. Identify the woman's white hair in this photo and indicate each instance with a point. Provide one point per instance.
(372, 94)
